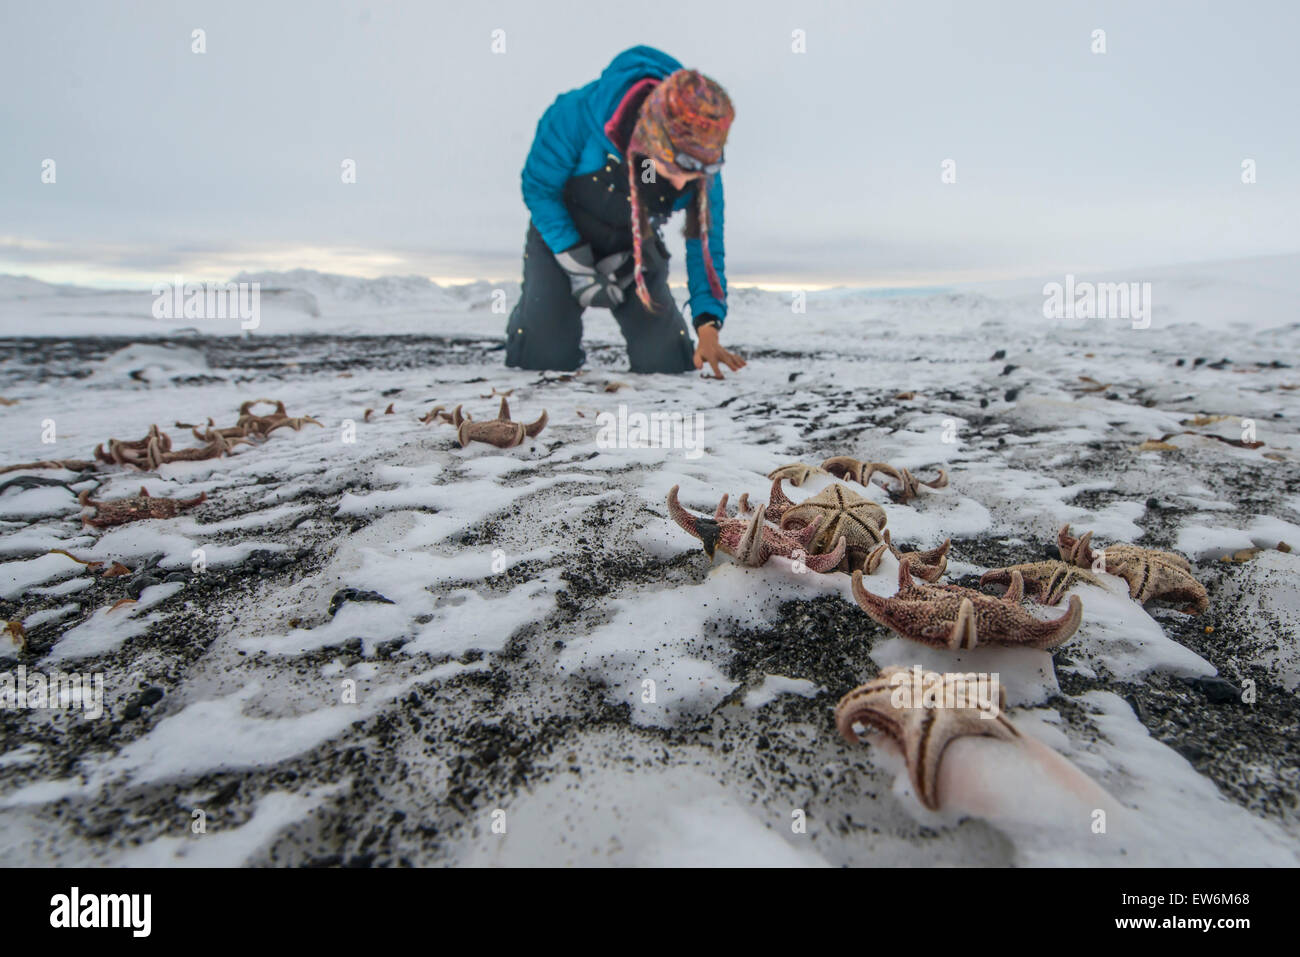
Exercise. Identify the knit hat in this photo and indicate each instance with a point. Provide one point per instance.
(686, 113)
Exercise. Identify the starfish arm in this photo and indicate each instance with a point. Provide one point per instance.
(871, 468)
(1065, 544)
(804, 536)
(1199, 601)
(504, 413)
(964, 634)
(796, 472)
(1049, 634)
(877, 555)
(842, 466)
(1084, 556)
(1016, 589)
(679, 515)
(778, 502)
(1054, 589)
(827, 562)
(532, 430)
(940, 482)
(872, 604)
(751, 549)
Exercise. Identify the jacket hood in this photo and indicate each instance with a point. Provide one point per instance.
(623, 71)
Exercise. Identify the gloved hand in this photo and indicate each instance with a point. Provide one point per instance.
(595, 283)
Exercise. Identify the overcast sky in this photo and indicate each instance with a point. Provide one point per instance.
(170, 161)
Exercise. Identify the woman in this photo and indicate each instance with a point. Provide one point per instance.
(609, 164)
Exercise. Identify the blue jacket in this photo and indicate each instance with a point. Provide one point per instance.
(571, 140)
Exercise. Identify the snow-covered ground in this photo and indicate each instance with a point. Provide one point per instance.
(534, 592)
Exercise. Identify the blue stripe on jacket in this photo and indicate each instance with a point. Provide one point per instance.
(571, 140)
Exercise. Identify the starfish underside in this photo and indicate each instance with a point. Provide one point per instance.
(894, 703)
(844, 513)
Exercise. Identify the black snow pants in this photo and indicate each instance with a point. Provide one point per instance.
(545, 329)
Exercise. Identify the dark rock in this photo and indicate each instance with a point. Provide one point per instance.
(147, 698)
(1217, 690)
(225, 793)
(355, 594)
(137, 585)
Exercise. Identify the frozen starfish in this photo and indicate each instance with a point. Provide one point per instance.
(119, 511)
(949, 616)
(216, 444)
(796, 472)
(922, 713)
(438, 413)
(908, 488)
(155, 449)
(927, 565)
(263, 425)
(843, 513)
(502, 431)
(859, 520)
(145, 454)
(1150, 573)
(1046, 582)
(751, 541)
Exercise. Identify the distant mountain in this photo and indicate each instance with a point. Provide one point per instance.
(1258, 291)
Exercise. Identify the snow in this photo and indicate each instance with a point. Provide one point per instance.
(539, 598)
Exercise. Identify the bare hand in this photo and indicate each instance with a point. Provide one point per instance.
(708, 349)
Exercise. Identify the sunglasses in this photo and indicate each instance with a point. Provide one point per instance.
(690, 164)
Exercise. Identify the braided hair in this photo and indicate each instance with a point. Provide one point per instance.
(691, 113)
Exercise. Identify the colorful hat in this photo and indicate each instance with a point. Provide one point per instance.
(686, 113)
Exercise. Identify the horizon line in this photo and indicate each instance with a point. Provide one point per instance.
(142, 281)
